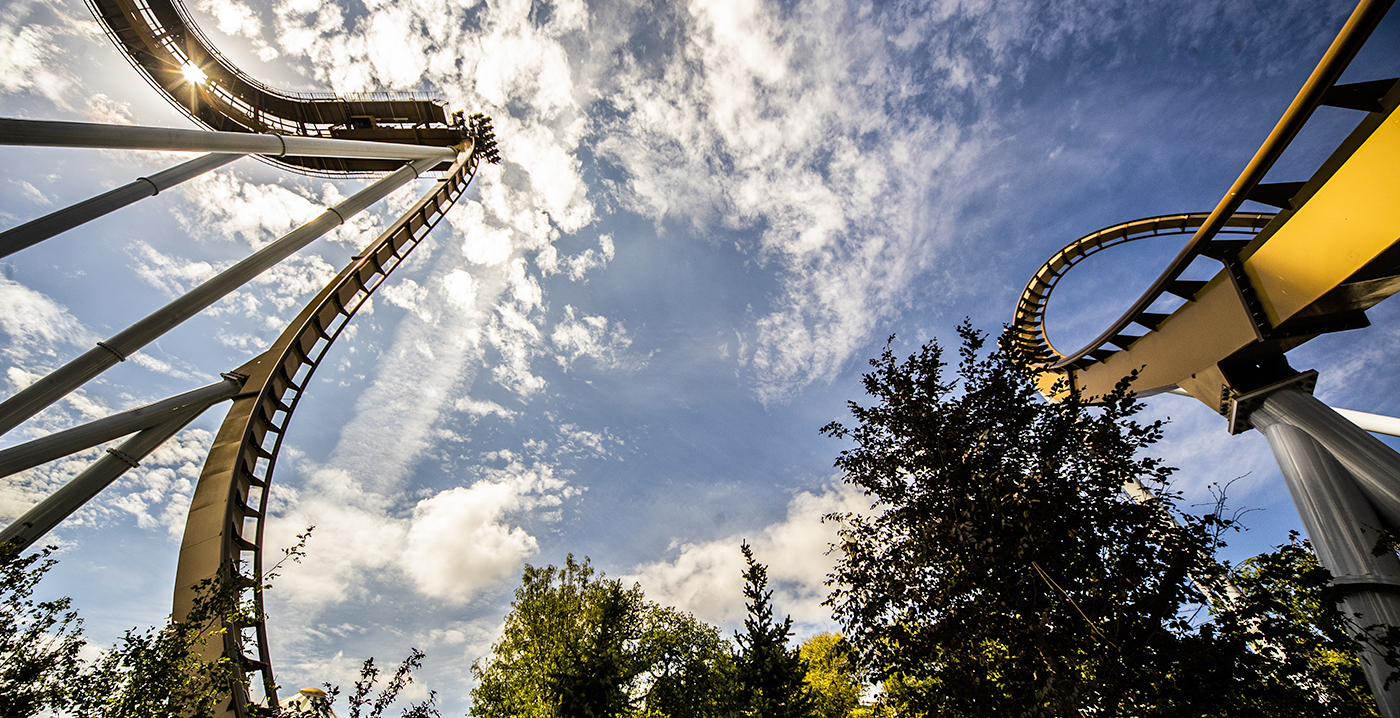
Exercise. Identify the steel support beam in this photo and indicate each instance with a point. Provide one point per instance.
(35, 231)
(1375, 466)
(39, 395)
(1374, 423)
(52, 133)
(1344, 528)
(69, 441)
(71, 496)
(1224, 594)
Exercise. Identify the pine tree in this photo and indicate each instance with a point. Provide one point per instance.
(770, 674)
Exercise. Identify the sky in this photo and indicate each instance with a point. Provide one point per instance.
(624, 340)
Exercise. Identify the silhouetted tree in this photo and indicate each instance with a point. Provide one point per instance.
(39, 641)
(770, 674)
(1004, 570)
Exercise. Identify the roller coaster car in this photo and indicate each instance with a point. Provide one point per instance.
(168, 50)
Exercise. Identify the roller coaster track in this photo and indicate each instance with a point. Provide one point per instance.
(224, 531)
(169, 51)
(1329, 254)
(397, 136)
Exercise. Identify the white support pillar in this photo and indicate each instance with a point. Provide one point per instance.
(61, 504)
(39, 395)
(1375, 466)
(62, 443)
(1344, 528)
(35, 231)
(51, 133)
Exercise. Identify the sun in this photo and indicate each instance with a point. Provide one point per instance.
(193, 74)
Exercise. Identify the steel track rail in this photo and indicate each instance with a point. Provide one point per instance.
(161, 41)
(1354, 33)
(224, 533)
(1028, 324)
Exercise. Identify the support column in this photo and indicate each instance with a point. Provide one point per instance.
(39, 395)
(53, 133)
(70, 441)
(35, 231)
(99, 475)
(1344, 527)
(1375, 466)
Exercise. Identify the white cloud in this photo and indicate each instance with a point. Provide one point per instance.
(158, 492)
(478, 409)
(772, 119)
(171, 275)
(706, 578)
(36, 325)
(292, 281)
(460, 289)
(460, 541)
(586, 336)
(31, 54)
(286, 285)
(456, 543)
(408, 295)
(233, 209)
(237, 19)
(32, 193)
(581, 441)
(575, 267)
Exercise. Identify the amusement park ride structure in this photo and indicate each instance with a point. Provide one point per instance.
(1330, 253)
(395, 138)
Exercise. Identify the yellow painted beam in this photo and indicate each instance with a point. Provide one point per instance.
(1349, 221)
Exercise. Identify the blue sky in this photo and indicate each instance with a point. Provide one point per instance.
(708, 216)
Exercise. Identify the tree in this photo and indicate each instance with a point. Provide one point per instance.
(1289, 613)
(159, 671)
(1003, 568)
(832, 678)
(39, 642)
(317, 703)
(578, 644)
(770, 675)
(150, 672)
(689, 667)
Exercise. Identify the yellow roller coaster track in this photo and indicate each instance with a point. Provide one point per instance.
(1330, 253)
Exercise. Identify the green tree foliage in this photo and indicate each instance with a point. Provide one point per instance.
(363, 702)
(1288, 614)
(151, 673)
(689, 667)
(770, 674)
(832, 678)
(1004, 570)
(147, 673)
(578, 644)
(39, 641)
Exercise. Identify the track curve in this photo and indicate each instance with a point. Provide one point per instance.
(1028, 323)
(1320, 89)
(168, 50)
(224, 532)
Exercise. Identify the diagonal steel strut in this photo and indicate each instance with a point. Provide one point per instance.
(39, 395)
(52, 133)
(59, 505)
(62, 443)
(35, 231)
